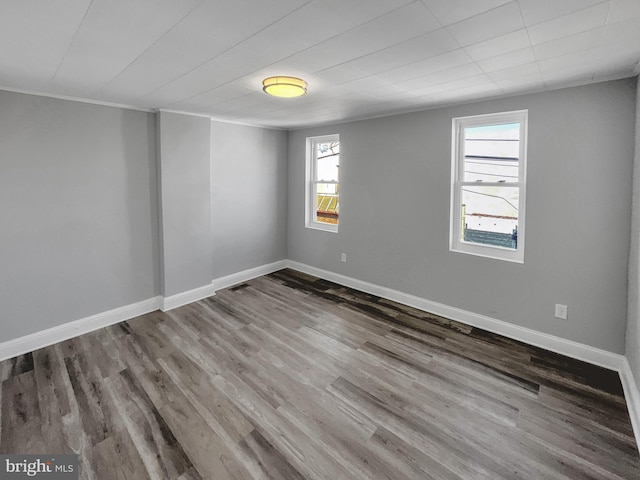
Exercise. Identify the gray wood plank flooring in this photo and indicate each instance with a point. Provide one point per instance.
(293, 377)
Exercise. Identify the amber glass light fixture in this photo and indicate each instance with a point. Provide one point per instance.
(286, 87)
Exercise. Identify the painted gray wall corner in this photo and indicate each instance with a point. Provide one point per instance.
(633, 316)
(79, 213)
(248, 197)
(185, 196)
(394, 212)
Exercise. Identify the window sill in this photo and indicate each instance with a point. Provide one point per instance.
(323, 227)
(496, 253)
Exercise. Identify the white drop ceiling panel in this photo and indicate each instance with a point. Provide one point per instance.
(96, 54)
(507, 60)
(361, 58)
(515, 72)
(429, 66)
(493, 47)
(452, 11)
(587, 40)
(625, 35)
(623, 10)
(408, 52)
(538, 11)
(420, 85)
(514, 84)
(35, 37)
(569, 24)
(488, 25)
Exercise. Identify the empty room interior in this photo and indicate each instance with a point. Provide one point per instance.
(320, 239)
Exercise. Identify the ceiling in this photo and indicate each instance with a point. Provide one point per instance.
(361, 58)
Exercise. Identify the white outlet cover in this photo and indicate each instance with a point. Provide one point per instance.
(561, 311)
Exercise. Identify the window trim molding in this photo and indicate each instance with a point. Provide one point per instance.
(456, 244)
(310, 184)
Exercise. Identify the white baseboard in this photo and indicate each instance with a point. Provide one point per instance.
(632, 395)
(566, 347)
(596, 356)
(44, 338)
(180, 299)
(175, 301)
(246, 275)
(619, 363)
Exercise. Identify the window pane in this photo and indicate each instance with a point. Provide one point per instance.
(327, 204)
(328, 161)
(491, 153)
(490, 215)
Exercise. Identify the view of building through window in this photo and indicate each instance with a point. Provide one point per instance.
(490, 204)
(327, 174)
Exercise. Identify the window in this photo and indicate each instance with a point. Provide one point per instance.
(323, 186)
(488, 185)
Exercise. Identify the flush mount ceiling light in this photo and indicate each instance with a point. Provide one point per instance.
(286, 87)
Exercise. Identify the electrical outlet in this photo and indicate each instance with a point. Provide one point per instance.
(343, 258)
(562, 311)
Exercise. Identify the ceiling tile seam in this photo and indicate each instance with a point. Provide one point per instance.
(462, 102)
(378, 51)
(312, 46)
(148, 48)
(452, 36)
(515, 29)
(536, 61)
(604, 29)
(533, 91)
(299, 52)
(573, 35)
(343, 63)
(464, 48)
(456, 103)
(218, 55)
(450, 80)
(484, 13)
(390, 46)
(526, 29)
(606, 24)
(73, 39)
(573, 12)
(545, 86)
(432, 14)
(429, 58)
(525, 26)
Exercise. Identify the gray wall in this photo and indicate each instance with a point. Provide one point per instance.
(78, 211)
(185, 200)
(249, 197)
(394, 212)
(633, 317)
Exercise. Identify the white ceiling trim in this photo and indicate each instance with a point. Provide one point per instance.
(467, 101)
(217, 119)
(77, 99)
(182, 112)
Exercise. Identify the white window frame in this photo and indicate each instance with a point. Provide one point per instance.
(312, 182)
(456, 244)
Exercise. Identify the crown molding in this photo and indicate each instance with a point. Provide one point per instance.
(77, 99)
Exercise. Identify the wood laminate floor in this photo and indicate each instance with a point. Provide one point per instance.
(292, 377)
